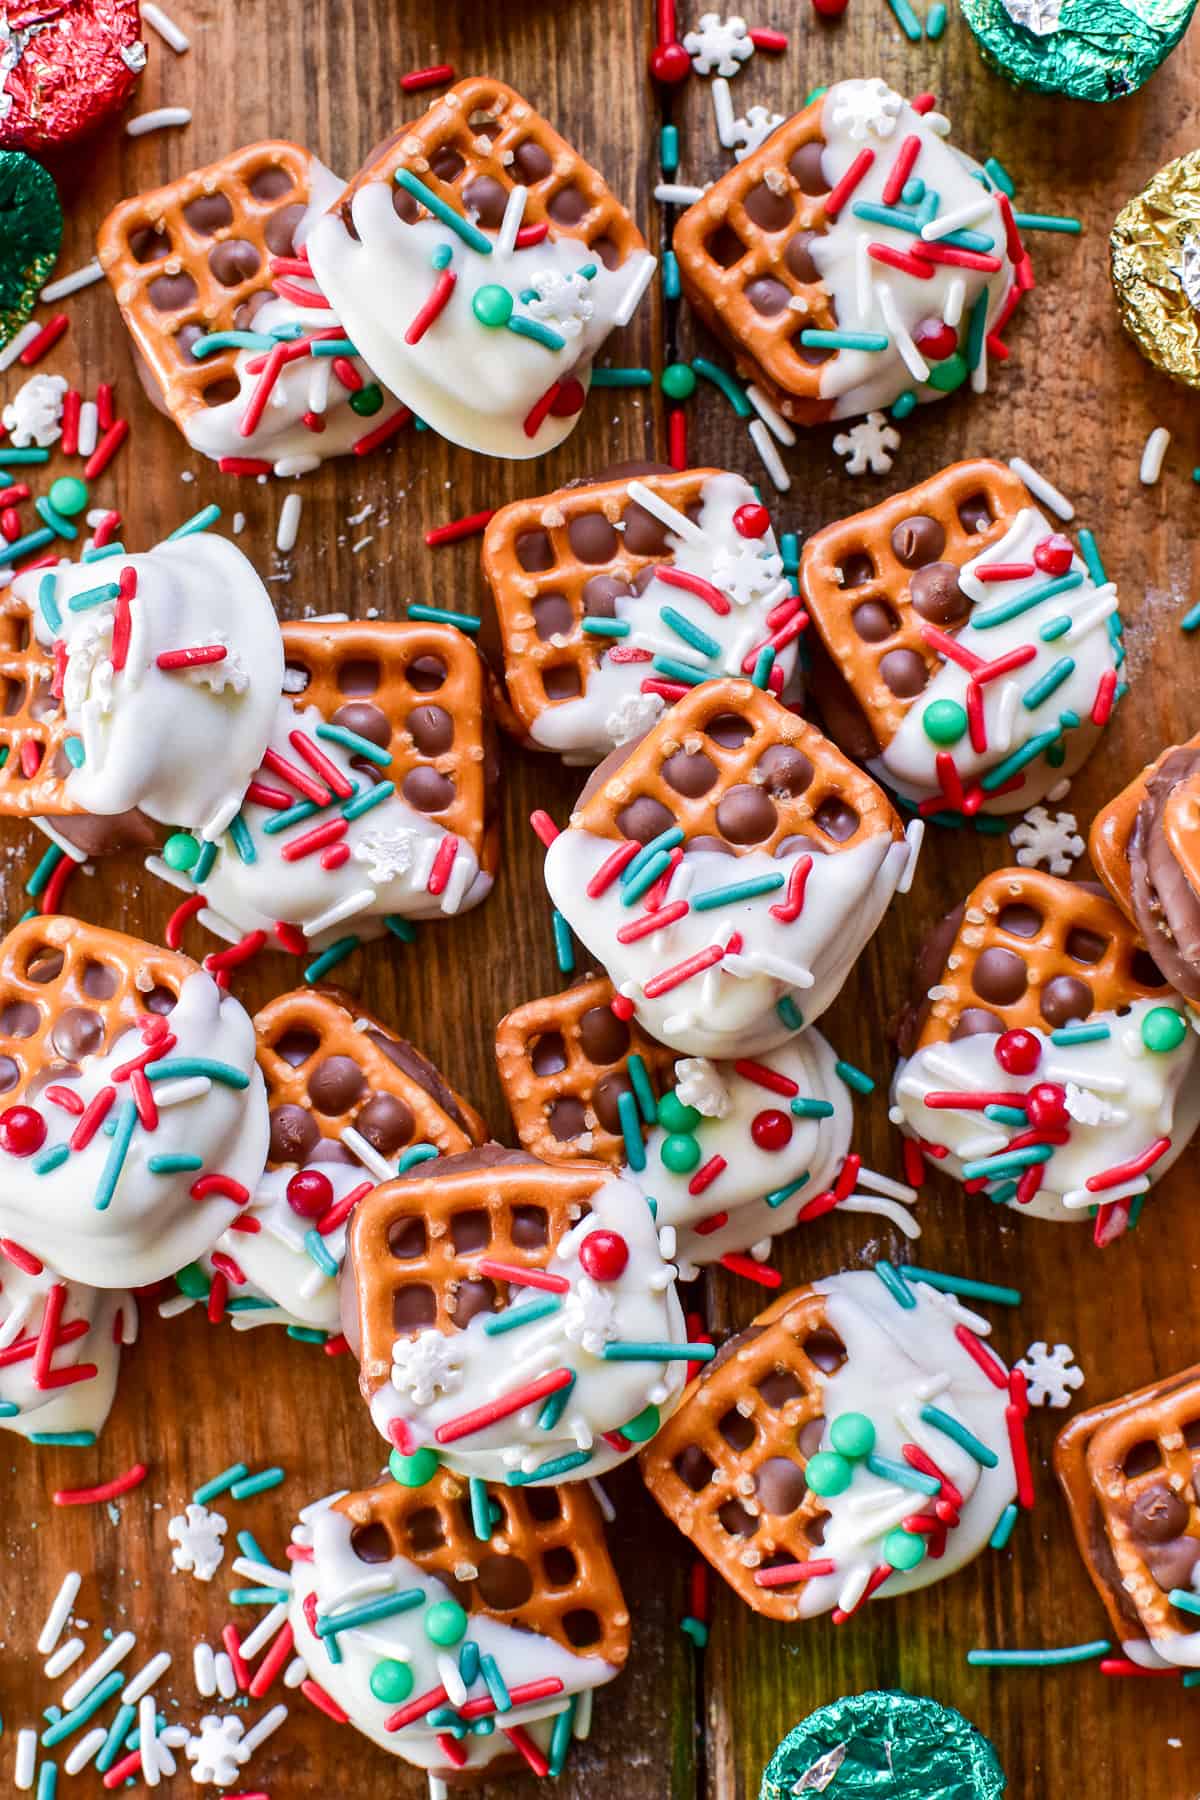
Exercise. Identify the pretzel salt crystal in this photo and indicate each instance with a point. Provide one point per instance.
(525, 1579)
(734, 1467)
(780, 858)
(482, 311)
(786, 246)
(607, 608)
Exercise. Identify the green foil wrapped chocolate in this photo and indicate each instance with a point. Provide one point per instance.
(1086, 49)
(1155, 246)
(30, 234)
(884, 1746)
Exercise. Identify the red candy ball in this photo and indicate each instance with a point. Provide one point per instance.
(1047, 1106)
(771, 1130)
(1054, 554)
(1018, 1052)
(670, 63)
(936, 340)
(604, 1255)
(22, 1130)
(568, 400)
(752, 521)
(830, 9)
(310, 1193)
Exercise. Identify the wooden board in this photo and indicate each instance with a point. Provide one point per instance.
(1077, 402)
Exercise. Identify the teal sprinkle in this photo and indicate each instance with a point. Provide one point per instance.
(404, 929)
(1005, 1115)
(1080, 1034)
(1192, 1678)
(999, 1196)
(632, 891)
(853, 1078)
(1184, 1599)
(330, 958)
(258, 1596)
(208, 515)
(372, 796)
(24, 546)
(534, 329)
(844, 340)
(437, 206)
(33, 455)
(79, 1715)
(71, 1439)
(481, 1512)
(789, 550)
(1004, 1527)
(305, 1334)
(527, 295)
(350, 740)
(588, 271)
(555, 1407)
(280, 821)
(902, 1475)
(549, 1471)
(895, 1284)
(695, 1632)
(710, 371)
(416, 1153)
(385, 1607)
(127, 1119)
(93, 597)
(907, 20)
(61, 527)
(672, 285)
(75, 751)
(102, 553)
(442, 257)
(622, 378)
(1009, 1162)
(904, 404)
(231, 340)
(613, 628)
(668, 149)
(439, 615)
(988, 616)
(1000, 176)
(691, 634)
(36, 884)
(620, 1351)
(314, 1243)
(887, 215)
(1191, 618)
(635, 1150)
(958, 1434)
(1037, 1659)
(804, 1108)
(249, 1485)
(224, 1073)
(1012, 764)
(790, 1013)
(564, 949)
(8, 1409)
(935, 21)
(513, 1317)
(678, 671)
(763, 665)
(564, 1724)
(977, 328)
(183, 1164)
(639, 1075)
(202, 866)
(31, 912)
(336, 346)
(666, 840)
(1050, 682)
(738, 890)
(1047, 222)
(47, 602)
(107, 1754)
(1055, 628)
(220, 1484)
(913, 191)
(243, 843)
(785, 1193)
(494, 1682)
(249, 1546)
(1090, 551)
(285, 334)
(51, 1159)
(248, 1303)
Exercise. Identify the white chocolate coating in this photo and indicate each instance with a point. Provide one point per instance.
(1122, 1097)
(730, 1009)
(111, 1317)
(436, 1378)
(151, 1226)
(275, 1260)
(180, 744)
(339, 1579)
(473, 384)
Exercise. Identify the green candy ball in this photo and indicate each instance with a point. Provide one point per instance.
(673, 1115)
(368, 400)
(193, 1282)
(678, 381)
(903, 1549)
(643, 1428)
(1163, 1029)
(680, 1154)
(948, 375)
(415, 1470)
(827, 1473)
(492, 305)
(391, 1681)
(181, 851)
(446, 1624)
(852, 1434)
(68, 495)
(944, 721)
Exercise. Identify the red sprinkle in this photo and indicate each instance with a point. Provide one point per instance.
(694, 584)
(1014, 1419)
(900, 259)
(436, 304)
(991, 1365)
(1103, 704)
(520, 1740)
(707, 1174)
(529, 235)
(611, 867)
(763, 1077)
(224, 1186)
(443, 863)
(789, 910)
(648, 923)
(684, 971)
(234, 954)
(173, 933)
(233, 1645)
(291, 938)
(768, 40)
(785, 1573)
(243, 465)
(45, 340)
(901, 169)
(501, 1408)
(326, 1704)
(842, 190)
(317, 760)
(759, 1273)
(218, 1294)
(471, 526)
(72, 402)
(536, 417)
(347, 374)
(52, 897)
(22, 1258)
(677, 438)
(435, 76)
(197, 656)
(923, 103)
(120, 1772)
(105, 412)
(381, 433)
(92, 1117)
(541, 821)
(272, 1662)
(106, 1490)
(106, 449)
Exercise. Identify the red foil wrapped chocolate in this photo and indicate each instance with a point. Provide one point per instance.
(66, 66)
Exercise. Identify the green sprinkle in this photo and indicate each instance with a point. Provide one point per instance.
(1090, 552)
(513, 1317)
(1004, 1527)
(47, 602)
(231, 340)
(613, 628)
(666, 840)
(853, 1078)
(944, 721)
(439, 615)
(639, 1075)
(904, 404)
(534, 329)
(350, 740)
(385, 1607)
(1000, 176)
(549, 1471)
(935, 21)
(243, 843)
(415, 1470)
(98, 1697)
(890, 215)
(181, 851)
(1055, 628)
(416, 1153)
(764, 663)
(45, 869)
(367, 400)
(1005, 1192)
(737, 890)
(1080, 1034)
(564, 1724)
(250, 1548)
(1049, 683)
(404, 929)
(958, 1434)
(437, 206)
(894, 1282)
(622, 378)
(494, 1682)
(672, 286)
(804, 1108)
(314, 1243)
(69, 1439)
(208, 515)
(989, 616)
(442, 257)
(789, 550)
(697, 1632)
(1047, 222)
(555, 1407)
(372, 796)
(902, 1475)
(171, 1066)
(668, 157)
(50, 516)
(1037, 1659)
(907, 20)
(1005, 1115)
(305, 1334)
(93, 597)
(1012, 764)
(626, 1352)
(204, 863)
(735, 395)
(844, 340)
(1191, 618)
(330, 958)
(249, 1485)
(690, 633)
(73, 747)
(1008, 1162)
(127, 1119)
(564, 949)
(258, 1596)
(632, 891)
(481, 1510)
(790, 1013)
(627, 1112)
(107, 1755)
(678, 671)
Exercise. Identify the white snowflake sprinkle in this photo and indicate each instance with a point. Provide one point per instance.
(34, 414)
(562, 300)
(866, 108)
(719, 46)
(388, 852)
(426, 1367)
(700, 1083)
(745, 574)
(868, 445)
(748, 133)
(633, 715)
(1052, 1375)
(197, 1535)
(1187, 270)
(588, 1317)
(1042, 17)
(216, 1752)
(1042, 839)
(1089, 1108)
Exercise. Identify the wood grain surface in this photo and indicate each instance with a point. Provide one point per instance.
(1075, 400)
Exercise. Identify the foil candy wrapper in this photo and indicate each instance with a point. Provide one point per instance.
(884, 1746)
(65, 66)
(1086, 49)
(1155, 246)
(30, 234)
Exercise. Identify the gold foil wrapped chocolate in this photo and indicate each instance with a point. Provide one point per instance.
(1155, 246)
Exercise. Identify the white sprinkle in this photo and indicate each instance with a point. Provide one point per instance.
(114, 1653)
(1041, 489)
(451, 1680)
(157, 120)
(956, 296)
(722, 101)
(437, 1788)
(361, 545)
(178, 1303)
(583, 1714)
(295, 465)
(204, 1670)
(263, 1574)
(259, 1733)
(607, 1509)
(665, 513)
(239, 524)
(915, 834)
(910, 356)
(770, 414)
(190, 1087)
(166, 27)
(883, 1184)
(148, 1741)
(643, 275)
(675, 193)
(59, 1612)
(26, 1758)
(89, 428)
(346, 908)
(265, 1630)
(951, 221)
(84, 1750)
(71, 284)
(979, 374)
(63, 1657)
(510, 224)
(295, 1673)
(771, 459)
(145, 1680)
(224, 1676)
(289, 523)
(1152, 456)
(219, 925)
(14, 346)
(367, 1154)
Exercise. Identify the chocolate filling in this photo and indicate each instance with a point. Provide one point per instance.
(1166, 908)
